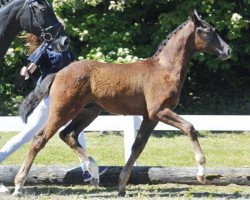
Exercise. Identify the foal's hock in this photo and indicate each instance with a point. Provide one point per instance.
(150, 87)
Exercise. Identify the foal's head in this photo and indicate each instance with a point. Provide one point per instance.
(207, 40)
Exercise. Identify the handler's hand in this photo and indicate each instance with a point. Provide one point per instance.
(24, 72)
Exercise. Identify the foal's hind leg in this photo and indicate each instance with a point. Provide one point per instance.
(54, 122)
(70, 136)
(169, 117)
(144, 132)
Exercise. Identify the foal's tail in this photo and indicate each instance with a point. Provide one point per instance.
(35, 96)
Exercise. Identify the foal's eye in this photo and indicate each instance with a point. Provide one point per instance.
(206, 30)
(35, 3)
(203, 30)
(43, 9)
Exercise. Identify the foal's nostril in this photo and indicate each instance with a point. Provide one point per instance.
(229, 51)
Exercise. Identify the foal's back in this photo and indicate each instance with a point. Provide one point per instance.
(118, 88)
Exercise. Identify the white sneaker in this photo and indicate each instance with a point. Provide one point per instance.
(3, 189)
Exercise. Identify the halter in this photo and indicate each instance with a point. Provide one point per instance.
(45, 35)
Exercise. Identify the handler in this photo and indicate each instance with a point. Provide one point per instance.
(48, 61)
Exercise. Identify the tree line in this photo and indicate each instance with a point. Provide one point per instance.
(125, 31)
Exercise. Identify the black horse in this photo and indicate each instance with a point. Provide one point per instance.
(33, 16)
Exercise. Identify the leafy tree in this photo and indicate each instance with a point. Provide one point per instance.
(128, 30)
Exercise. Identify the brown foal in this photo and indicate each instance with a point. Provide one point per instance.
(150, 87)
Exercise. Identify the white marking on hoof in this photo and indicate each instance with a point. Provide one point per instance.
(201, 179)
(201, 170)
(18, 192)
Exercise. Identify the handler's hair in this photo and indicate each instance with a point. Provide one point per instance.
(32, 42)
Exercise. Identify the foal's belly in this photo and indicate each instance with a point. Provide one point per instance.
(124, 105)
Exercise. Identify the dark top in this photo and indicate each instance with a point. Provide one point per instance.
(50, 61)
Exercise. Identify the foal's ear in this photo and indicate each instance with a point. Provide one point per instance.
(195, 18)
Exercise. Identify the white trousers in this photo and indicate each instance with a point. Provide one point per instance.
(35, 122)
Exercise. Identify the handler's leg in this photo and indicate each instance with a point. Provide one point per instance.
(35, 122)
(3, 189)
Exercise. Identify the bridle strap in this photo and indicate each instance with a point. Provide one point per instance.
(34, 12)
(44, 31)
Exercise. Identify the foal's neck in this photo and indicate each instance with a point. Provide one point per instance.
(175, 55)
(9, 27)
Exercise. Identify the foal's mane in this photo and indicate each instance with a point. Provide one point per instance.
(4, 3)
(164, 42)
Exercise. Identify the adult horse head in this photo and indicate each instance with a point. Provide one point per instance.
(33, 16)
(40, 19)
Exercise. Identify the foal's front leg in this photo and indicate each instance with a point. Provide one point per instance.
(169, 117)
(144, 132)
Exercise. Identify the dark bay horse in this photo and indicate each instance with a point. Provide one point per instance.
(150, 87)
(33, 16)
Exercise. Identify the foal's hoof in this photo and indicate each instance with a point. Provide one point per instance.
(18, 193)
(201, 179)
(121, 194)
(94, 182)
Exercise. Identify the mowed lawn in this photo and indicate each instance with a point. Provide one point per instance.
(221, 149)
(169, 149)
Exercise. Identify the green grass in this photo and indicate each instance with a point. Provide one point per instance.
(229, 150)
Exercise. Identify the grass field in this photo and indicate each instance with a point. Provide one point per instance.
(221, 149)
(230, 150)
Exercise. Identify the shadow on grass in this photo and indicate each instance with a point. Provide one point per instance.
(132, 191)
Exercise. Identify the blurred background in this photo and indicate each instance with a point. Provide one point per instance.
(128, 30)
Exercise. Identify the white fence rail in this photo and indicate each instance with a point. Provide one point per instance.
(130, 124)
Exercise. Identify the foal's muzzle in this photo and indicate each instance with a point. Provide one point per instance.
(226, 53)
